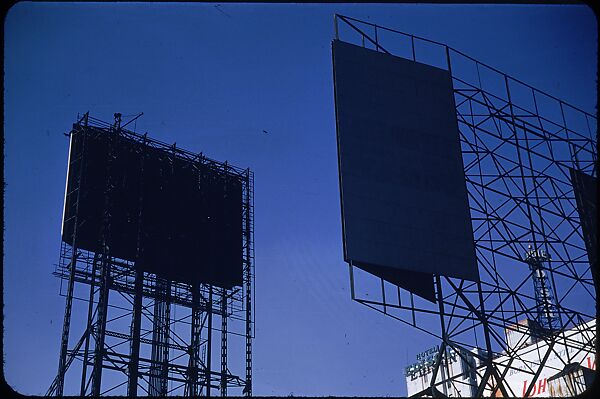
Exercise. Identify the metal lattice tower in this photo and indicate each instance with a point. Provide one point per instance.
(138, 333)
(547, 313)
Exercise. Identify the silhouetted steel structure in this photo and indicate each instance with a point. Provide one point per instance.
(547, 315)
(522, 153)
(150, 289)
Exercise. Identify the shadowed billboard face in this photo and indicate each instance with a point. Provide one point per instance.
(403, 191)
(179, 219)
(585, 188)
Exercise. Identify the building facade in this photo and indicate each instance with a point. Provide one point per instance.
(568, 370)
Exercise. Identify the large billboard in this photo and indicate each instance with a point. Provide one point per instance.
(402, 184)
(585, 189)
(178, 218)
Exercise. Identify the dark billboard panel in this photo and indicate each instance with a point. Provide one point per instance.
(402, 184)
(177, 218)
(420, 284)
(585, 188)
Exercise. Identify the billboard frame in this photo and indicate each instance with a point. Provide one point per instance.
(490, 123)
(150, 302)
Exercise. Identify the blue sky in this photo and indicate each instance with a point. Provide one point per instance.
(212, 79)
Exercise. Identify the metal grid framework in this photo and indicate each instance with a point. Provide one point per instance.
(139, 334)
(518, 144)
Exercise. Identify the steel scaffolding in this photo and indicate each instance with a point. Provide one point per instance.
(143, 334)
(518, 145)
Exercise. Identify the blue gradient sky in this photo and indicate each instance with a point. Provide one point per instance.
(212, 80)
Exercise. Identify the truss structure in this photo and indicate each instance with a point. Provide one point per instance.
(518, 146)
(135, 333)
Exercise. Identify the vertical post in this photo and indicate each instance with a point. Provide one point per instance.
(70, 287)
(412, 309)
(117, 120)
(442, 352)
(224, 342)
(136, 324)
(209, 341)
(248, 387)
(166, 336)
(66, 327)
(89, 328)
(160, 340)
(158, 381)
(448, 60)
(101, 324)
(335, 26)
(106, 261)
(196, 327)
(195, 342)
(351, 270)
(383, 296)
(153, 383)
(489, 367)
(248, 277)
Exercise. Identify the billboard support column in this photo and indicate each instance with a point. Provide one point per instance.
(224, 342)
(62, 365)
(105, 264)
(135, 335)
(136, 321)
(192, 388)
(249, 255)
(101, 324)
(88, 332)
(489, 365)
(209, 341)
(442, 359)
